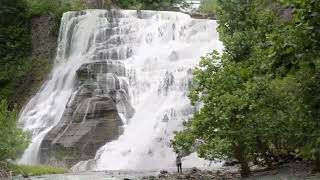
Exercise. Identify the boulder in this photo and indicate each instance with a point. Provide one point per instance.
(230, 162)
(163, 172)
(194, 170)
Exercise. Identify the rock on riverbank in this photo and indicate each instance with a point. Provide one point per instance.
(196, 174)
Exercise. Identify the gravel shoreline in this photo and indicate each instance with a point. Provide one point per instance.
(292, 171)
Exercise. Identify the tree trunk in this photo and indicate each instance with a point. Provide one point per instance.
(239, 154)
(316, 109)
(316, 168)
(264, 150)
(245, 169)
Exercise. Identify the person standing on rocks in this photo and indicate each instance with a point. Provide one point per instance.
(179, 163)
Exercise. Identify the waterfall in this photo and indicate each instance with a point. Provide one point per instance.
(153, 54)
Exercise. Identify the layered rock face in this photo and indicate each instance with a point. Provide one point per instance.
(91, 117)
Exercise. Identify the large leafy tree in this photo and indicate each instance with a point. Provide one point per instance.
(303, 54)
(260, 98)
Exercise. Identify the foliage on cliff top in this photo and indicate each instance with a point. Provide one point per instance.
(54, 7)
(57, 7)
(148, 4)
(208, 6)
(261, 96)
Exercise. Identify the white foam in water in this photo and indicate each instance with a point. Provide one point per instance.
(163, 48)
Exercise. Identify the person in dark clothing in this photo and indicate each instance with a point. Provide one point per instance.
(179, 163)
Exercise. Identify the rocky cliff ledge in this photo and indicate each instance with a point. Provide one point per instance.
(199, 15)
(91, 118)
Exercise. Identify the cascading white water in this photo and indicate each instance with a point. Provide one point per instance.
(45, 109)
(158, 50)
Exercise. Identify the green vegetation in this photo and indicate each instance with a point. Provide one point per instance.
(14, 45)
(151, 4)
(31, 170)
(261, 96)
(36, 170)
(56, 7)
(12, 139)
(208, 6)
(12, 142)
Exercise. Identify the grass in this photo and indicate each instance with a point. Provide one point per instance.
(35, 170)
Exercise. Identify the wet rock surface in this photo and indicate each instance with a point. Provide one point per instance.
(199, 15)
(91, 118)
